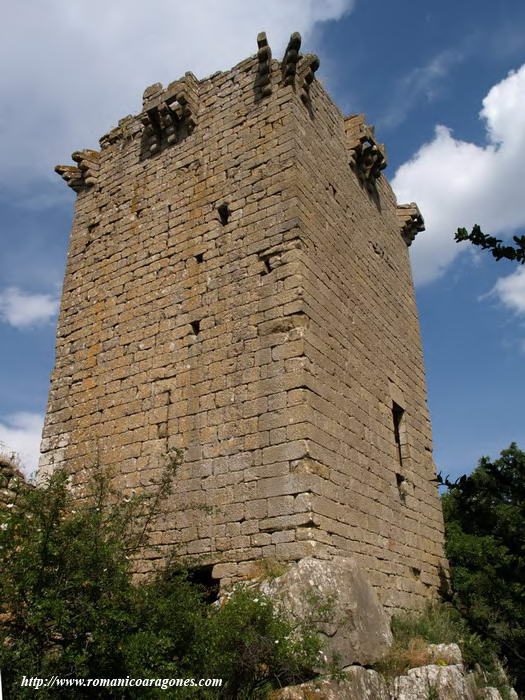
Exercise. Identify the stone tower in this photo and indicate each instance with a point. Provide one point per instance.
(238, 285)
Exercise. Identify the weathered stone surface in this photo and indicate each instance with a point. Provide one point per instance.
(489, 694)
(359, 684)
(444, 654)
(335, 598)
(11, 481)
(449, 682)
(238, 285)
(440, 682)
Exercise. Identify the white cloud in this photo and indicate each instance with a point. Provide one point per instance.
(511, 290)
(74, 68)
(457, 183)
(23, 310)
(20, 433)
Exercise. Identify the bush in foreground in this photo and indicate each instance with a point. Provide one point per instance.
(70, 608)
(485, 543)
(441, 624)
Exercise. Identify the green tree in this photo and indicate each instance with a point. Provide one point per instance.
(495, 245)
(485, 540)
(69, 606)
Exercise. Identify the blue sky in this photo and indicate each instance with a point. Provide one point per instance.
(444, 83)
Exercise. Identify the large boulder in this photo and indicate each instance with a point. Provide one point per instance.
(444, 654)
(446, 682)
(335, 598)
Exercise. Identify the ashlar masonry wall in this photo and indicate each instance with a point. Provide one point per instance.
(238, 285)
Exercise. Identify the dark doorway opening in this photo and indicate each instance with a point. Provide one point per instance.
(201, 577)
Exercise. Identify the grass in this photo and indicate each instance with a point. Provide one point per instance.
(440, 624)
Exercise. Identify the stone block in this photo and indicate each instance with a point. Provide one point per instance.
(354, 627)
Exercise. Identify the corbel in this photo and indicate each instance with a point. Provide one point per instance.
(411, 221)
(308, 67)
(88, 164)
(181, 99)
(264, 65)
(289, 62)
(367, 156)
(83, 174)
(152, 129)
(71, 176)
(169, 114)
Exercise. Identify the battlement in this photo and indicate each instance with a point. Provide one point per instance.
(238, 286)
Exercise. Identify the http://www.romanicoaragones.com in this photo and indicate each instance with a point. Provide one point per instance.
(128, 682)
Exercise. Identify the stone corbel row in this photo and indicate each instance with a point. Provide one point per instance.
(308, 67)
(367, 157)
(169, 115)
(290, 60)
(85, 173)
(296, 70)
(264, 65)
(410, 220)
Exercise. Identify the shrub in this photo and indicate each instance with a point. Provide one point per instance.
(485, 540)
(70, 607)
(441, 623)
(254, 647)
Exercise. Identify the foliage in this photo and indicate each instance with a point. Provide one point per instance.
(485, 538)
(255, 647)
(440, 623)
(435, 624)
(486, 242)
(70, 606)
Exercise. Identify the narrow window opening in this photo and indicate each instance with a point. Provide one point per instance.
(199, 257)
(209, 586)
(195, 327)
(401, 487)
(267, 266)
(397, 417)
(224, 214)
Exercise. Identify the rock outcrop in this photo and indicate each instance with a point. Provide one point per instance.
(447, 682)
(433, 681)
(335, 597)
(445, 679)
